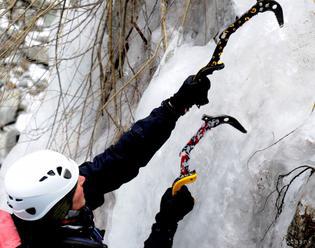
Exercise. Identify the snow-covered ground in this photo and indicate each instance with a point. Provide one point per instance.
(268, 85)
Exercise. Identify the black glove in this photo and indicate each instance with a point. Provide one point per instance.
(174, 208)
(190, 93)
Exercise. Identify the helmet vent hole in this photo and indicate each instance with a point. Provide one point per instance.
(31, 211)
(9, 205)
(19, 200)
(43, 178)
(51, 173)
(67, 174)
(10, 197)
(59, 170)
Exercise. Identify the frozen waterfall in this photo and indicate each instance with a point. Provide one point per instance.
(268, 85)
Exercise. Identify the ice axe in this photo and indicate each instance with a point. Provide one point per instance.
(260, 7)
(187, 176)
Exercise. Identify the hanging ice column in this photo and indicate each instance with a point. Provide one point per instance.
(268, 85)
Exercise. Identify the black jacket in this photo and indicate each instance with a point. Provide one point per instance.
(121, 162)
(109, 170)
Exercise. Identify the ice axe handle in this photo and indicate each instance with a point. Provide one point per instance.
(208, 70)
(183, 180)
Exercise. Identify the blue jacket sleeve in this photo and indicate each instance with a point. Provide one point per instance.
(121, 162)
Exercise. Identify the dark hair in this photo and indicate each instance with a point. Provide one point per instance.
(61, 208)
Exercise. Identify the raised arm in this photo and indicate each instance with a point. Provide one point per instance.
(121, 162)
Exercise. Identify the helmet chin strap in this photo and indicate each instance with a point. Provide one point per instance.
(72, 213)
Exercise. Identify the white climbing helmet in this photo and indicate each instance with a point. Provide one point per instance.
(36, 182)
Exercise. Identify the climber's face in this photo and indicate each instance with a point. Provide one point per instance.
(78, 200)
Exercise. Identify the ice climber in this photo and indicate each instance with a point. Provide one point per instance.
(52, 198)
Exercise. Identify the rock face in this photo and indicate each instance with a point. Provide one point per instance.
(301, 232)
(23, 63)
(9, 106)
(8, 138)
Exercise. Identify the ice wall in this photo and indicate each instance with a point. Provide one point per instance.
(268, 86)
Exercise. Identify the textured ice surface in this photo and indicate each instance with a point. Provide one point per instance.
(268, 86)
